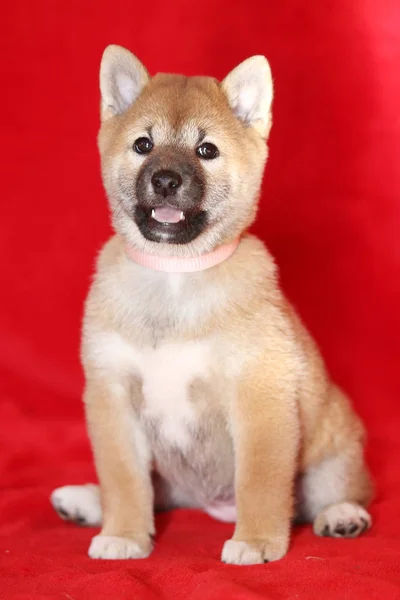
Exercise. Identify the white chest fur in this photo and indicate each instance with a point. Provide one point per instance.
(166, 373)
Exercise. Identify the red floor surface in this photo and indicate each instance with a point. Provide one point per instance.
(330, 214)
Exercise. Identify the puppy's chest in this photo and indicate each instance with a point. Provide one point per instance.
(169, 376)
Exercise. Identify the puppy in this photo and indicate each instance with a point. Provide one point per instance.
(203, 387)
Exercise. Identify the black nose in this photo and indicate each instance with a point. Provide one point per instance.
(166, 182)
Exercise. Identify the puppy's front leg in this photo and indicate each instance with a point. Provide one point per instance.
(122, 460)
(266, 437)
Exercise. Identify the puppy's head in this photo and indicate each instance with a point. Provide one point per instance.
(182, 157)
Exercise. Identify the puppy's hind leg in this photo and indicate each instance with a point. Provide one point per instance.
(78, 503)
(333, 493)
(81, 504)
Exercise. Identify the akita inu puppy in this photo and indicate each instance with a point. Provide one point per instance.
(203, 387)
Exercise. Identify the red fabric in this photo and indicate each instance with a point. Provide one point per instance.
(330, 214)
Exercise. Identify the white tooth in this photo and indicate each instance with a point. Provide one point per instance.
(182, 216)
(153, 212)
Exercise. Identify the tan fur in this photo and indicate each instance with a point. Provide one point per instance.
(262, 413)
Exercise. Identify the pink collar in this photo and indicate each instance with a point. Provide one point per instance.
(175, 264)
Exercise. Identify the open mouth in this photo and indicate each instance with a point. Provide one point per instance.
(169, 224)
(167, 215)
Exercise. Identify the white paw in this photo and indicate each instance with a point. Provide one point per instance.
(236, 552)
(78, 503)
(342, 520)
(116, 548)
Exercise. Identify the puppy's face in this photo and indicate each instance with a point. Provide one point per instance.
(182, 158)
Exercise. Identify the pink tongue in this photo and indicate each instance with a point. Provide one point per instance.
(167, 214)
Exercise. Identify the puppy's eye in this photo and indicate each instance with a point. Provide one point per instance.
(207, 151)
(143, 145)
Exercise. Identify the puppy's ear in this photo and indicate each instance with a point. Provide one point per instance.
(122, 78)
(249, 90)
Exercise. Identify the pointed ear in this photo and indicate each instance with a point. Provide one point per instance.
(122, 78)
(249, 91)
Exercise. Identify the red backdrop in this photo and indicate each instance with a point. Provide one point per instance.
(330, 214)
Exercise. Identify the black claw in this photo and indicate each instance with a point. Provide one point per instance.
(364, 524)
(352, 528)
(325, 531)
(266, 560)
(81, 521)
(62, 513)
(340, 529)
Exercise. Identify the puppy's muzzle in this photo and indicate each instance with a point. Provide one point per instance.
(169, 189)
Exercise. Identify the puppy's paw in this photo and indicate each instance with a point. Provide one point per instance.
(344, 520)
(254, 552)
(78, 503)
(118, 548)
